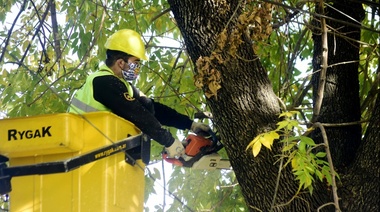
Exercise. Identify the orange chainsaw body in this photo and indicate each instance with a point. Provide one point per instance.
(201, 155)
(195, 143)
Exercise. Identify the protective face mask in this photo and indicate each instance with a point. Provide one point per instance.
(132, 73)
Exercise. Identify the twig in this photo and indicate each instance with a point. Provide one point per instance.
(296, 49)
(38, 28)
(222, 199)
(301, 94)
(324, 205)
(11, 30)
(344, 124)
(296, 196)
(229, 186)
(272, 206)
(160, 14)
(344, 14)
(256, 208)
(331, 165)
(360, 26)
(282, 104)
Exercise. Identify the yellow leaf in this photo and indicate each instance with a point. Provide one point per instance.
(256, 148)
(289, 114)
(268, 138)
(294, 163)
(253, 141)
(286, 114)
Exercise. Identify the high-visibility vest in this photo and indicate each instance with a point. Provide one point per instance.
(83, 100)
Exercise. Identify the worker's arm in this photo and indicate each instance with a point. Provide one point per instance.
(166, 116)
(170, 117)
(111, 92)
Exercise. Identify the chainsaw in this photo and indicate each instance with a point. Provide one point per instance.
(201, 153)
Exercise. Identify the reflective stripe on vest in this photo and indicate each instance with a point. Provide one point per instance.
(83, 100)
(82, 106)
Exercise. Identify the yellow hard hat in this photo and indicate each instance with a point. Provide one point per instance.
(127, 41)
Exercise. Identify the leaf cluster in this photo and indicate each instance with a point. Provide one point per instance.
(208, 75)
(258, 18)
(297, 149)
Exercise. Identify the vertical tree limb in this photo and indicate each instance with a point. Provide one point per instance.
(324, 64)
(54, 24)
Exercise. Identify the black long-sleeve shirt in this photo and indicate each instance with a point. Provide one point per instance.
(146, 114)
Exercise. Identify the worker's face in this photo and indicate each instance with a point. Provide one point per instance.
(130, 69)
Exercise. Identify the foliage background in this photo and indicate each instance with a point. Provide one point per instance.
(44, 61)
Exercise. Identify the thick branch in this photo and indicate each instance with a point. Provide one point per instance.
(54, 24)
(322, 77)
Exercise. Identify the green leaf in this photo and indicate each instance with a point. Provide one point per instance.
(289, 146)
(307, 140)
(282, 124)
(327, 174)
(321, 154)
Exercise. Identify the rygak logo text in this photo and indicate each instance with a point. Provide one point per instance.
(14, 134)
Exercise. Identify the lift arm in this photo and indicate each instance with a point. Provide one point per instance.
(135, 147)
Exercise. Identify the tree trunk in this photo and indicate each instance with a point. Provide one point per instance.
(245, 105)
(341, 102)
(361, 185)
(355, 160)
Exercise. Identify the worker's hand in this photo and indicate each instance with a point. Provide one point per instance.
(176, 150)
(200, 129)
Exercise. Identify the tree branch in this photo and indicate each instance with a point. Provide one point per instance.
(54, 24)
(272, 206)
(360, 26)
(11, 30)
(322, 76)
(160, 14)
(36, 33)
(331, 165)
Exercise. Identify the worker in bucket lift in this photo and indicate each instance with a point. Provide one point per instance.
(109, 89)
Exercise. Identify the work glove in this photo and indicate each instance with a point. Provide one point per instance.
(176, 150)
(200, 129)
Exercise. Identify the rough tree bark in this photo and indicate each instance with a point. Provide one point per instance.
(341, 102)
(361, 184)
(245, 106)
(359, 189)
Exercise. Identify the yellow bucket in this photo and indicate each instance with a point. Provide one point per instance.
(108, 184)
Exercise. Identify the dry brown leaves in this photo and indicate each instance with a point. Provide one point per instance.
(257, 21)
